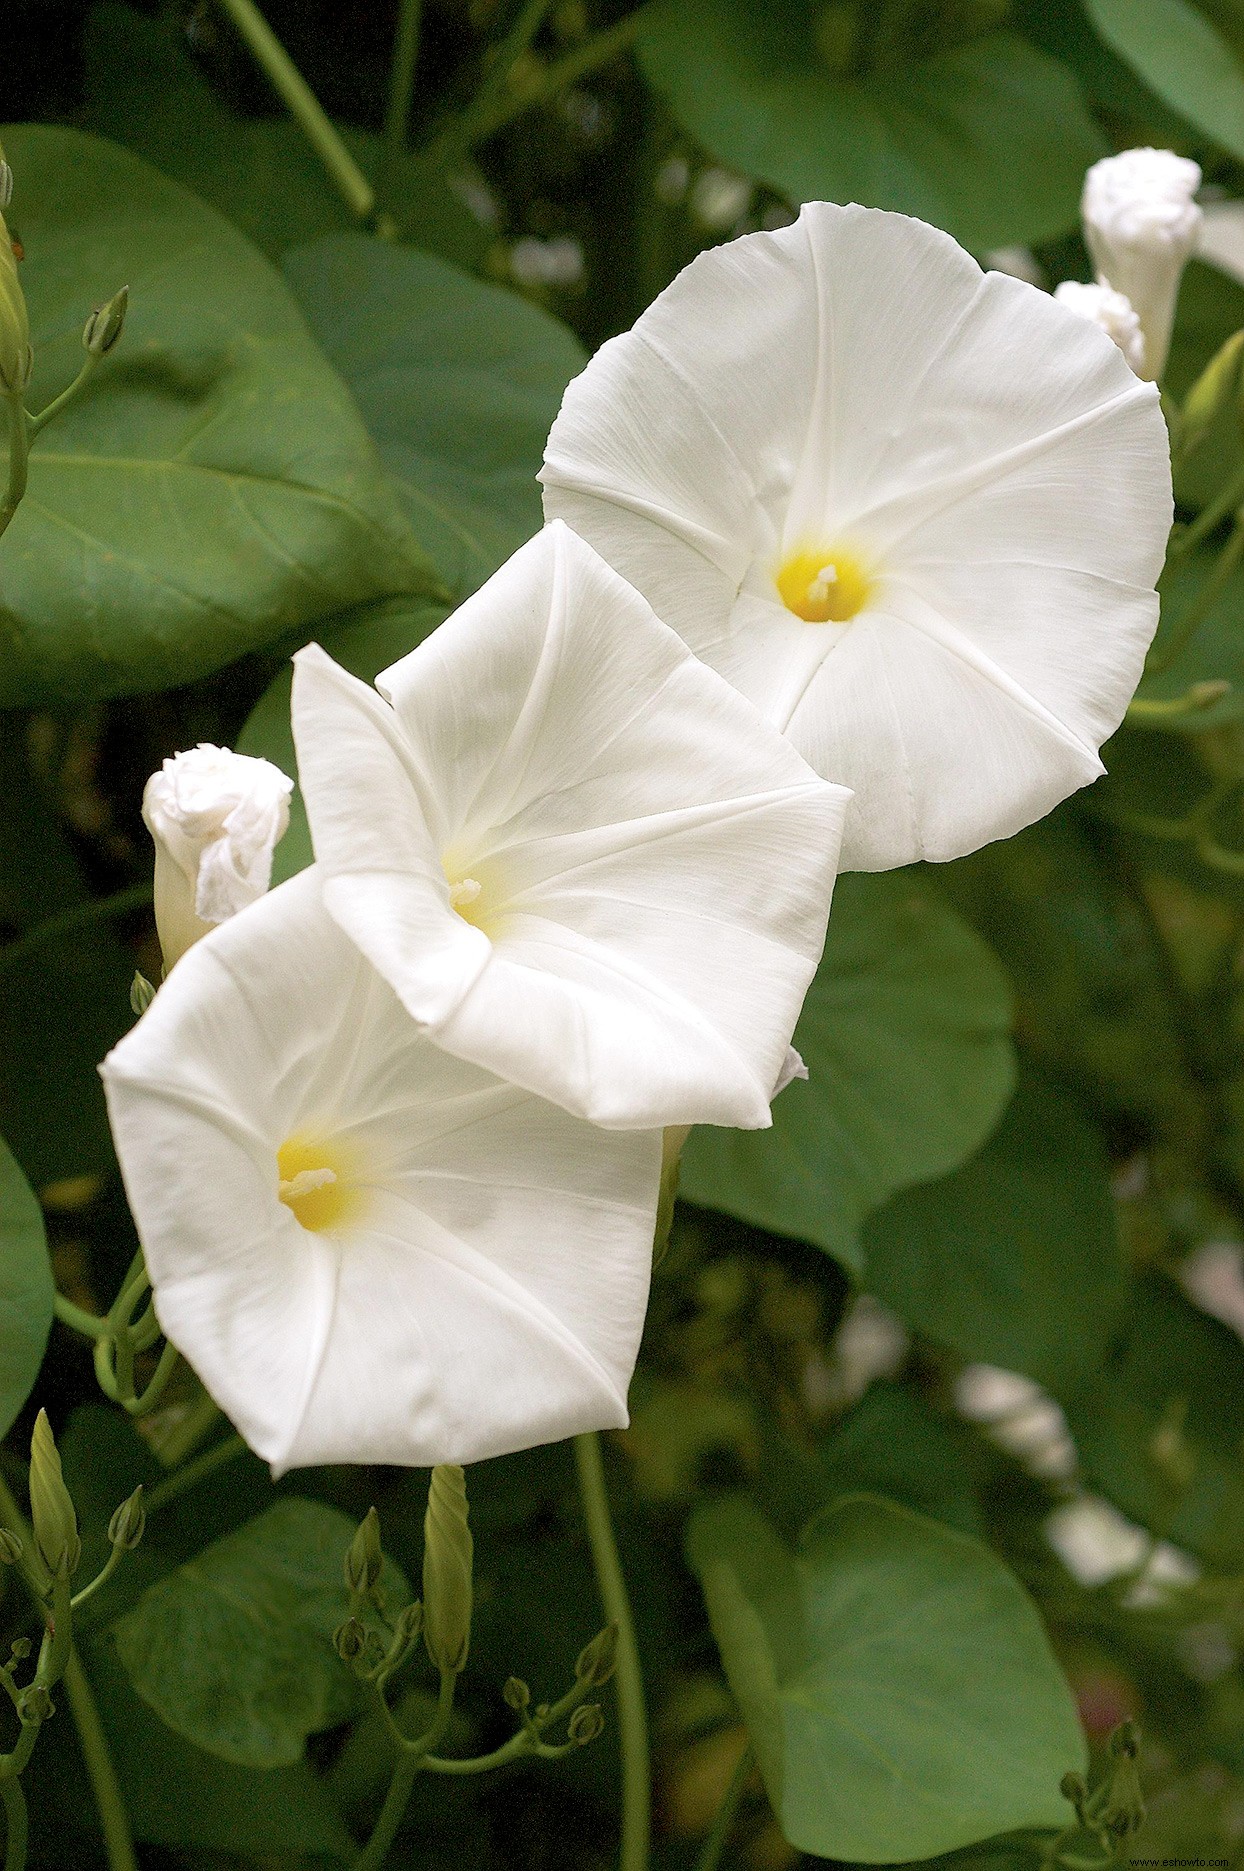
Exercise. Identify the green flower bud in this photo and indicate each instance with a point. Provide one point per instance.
(516, 1694)
(21, 1649)
(51, 1510)
(349, 1640)
(103, 327)
(447, 1559)
(586, 1723)
(1219, 387)
(35, 1704)
(365, 1560)
(16, 356)
(597, 1660)
(11, 1548)
(142, 993)
(672, 1142)
(129, 1523)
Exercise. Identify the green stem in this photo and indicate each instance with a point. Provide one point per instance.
(136, 896)
(78, 1318)
(192, 1473)
(303, 106)
(632, 1717)
(526, 1742)
(401, 82)
(118, 1843)
(115, 1556)
(19, 456)
(66, 396)
(723, 1824)
(1207, 519)
(15, 1824)
(494, 107)
(411, 1755)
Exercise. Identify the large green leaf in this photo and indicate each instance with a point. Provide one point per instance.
(234, 1649)
(63, 1001)
(1183, 57)
(364, 642)
(25, 1290)
(175, 1795)
(459, 383)
(1161, 1430)
(1014, 1258)
(894, 1676)
(989, 140)
(905, 1034)
(144, 89)
(214, 486)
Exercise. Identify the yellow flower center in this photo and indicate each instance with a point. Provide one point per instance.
(825, 584)
(474, 901)
(320, 1182)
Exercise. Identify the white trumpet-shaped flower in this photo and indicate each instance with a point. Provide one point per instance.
(368, 1249)
(215, 817)
(579, 857)
(1109, 309)
(913, 511)
(1141, 226)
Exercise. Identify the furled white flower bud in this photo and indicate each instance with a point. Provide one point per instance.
(1141, 225)
(1109, 309)
(216, 818)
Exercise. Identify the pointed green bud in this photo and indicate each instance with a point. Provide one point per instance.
(410, 1622)
(447, 1560)
(35, 1704)
(1074, 1788)
(516, 1694)
(1219, 387)
(142, 993)
(16, 356)
(1124, 1809)
(349, 1640)
(11, 1548)
(129, 1523)
(51, 1510)
(103, 327)
(586, 1723)
(672, 1141)
(21, 1649)
(365, 1560)
(597, 1660)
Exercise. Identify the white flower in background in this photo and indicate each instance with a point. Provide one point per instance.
(216, 818)
(1110, 310)
(913, 511)
(580, 858)
(1141, 226)
(368, 1250)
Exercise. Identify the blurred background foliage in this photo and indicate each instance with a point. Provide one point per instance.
(986, 1269)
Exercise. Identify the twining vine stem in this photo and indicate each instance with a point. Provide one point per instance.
(723, 1824)
(632, 1716)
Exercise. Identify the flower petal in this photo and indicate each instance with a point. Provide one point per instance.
(856, 379)
(596, 785)
(489, 1290)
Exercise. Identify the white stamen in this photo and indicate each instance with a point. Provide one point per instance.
(818, 590)
(306, 1182)
(463, 892)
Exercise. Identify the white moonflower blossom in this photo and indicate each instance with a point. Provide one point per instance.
(368, 1250)
(1141, 227)
(913, 511)
(1109, 309)
(216, 817)
(580, 858)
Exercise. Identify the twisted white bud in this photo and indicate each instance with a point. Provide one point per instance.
(1141, 225)
(216, 818)
(1103, 306)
